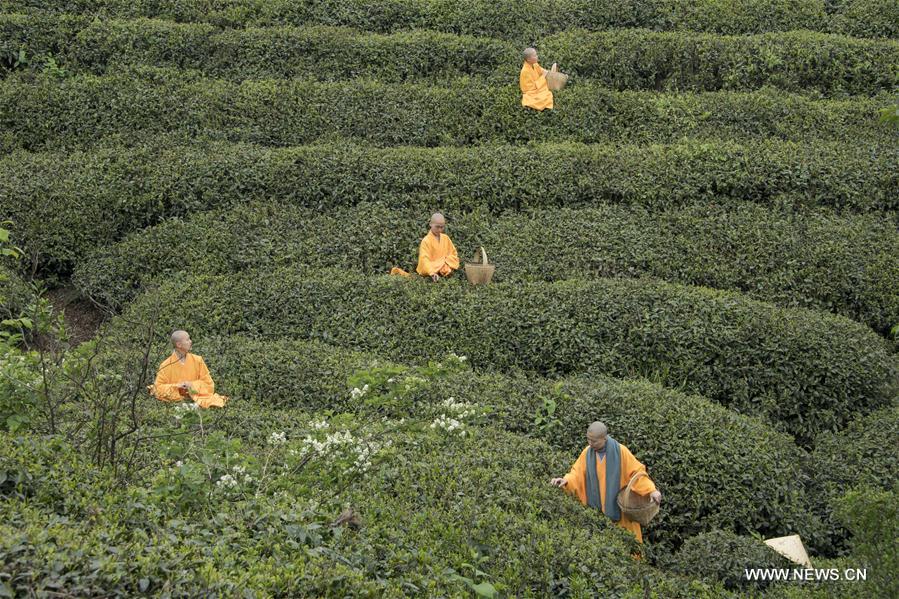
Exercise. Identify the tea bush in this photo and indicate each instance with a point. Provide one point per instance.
(684, 337)
(523, 21)
(621, 59)
(66, 203)
(873, 519)
(81, 110)
(859, 455)
(798, 60)
(702, 455)
(866, 18)
(845, 264)
(723, 556)
(432, 507)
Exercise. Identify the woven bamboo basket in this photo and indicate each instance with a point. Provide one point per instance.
(479, 271)
(639, 508)
(556, 80)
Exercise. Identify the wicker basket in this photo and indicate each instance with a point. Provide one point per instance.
(556, 80)
(639, 508)
(478, 271)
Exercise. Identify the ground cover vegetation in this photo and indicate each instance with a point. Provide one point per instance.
(698, 246)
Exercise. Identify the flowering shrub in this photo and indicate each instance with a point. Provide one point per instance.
(455, 413)
(396, 389)
(207, 467)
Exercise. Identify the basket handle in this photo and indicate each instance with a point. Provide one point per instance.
(633, 479)
(483, 256)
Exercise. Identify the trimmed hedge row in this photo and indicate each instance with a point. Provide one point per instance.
(523, 20)
(66, 203)
(791, 61)
(448, 499)
(520, 21)
(47, 114)
(805, 371)
(424, 511)
(621, 59)
(317, 52)
(860, 455)
(866, 18)
(845, 264)
(722, 556)
(703, 456)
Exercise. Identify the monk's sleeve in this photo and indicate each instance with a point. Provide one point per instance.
(523, 81)
(527, 81)
(452, 257)
(204, 384)
(575, 476)
(630, 465)
(164, 389)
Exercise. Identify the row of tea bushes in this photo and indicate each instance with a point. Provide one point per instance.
(46, 114)
(66, 203)
(795, 61)
(522, 21)
(621, 59)
(423, 510)
(703, 456)
(814, 259)
(806, 371)
(860, 455)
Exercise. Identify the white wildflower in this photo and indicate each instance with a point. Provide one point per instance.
(277, 439)
(226, 482)
(447, 423)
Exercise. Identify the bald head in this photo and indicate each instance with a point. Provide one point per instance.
(596, 435)
(598, 429)
(530, 55)
(181, 342)
(437, 224)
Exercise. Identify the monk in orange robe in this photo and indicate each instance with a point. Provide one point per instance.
(532, 80)
(437, 255)
(607, 455)
(184, 376)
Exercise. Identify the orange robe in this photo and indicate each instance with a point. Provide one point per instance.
(436, 256)
(577, 483)
(534, 92)
(172, 372)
